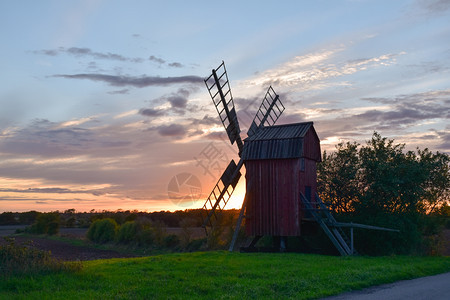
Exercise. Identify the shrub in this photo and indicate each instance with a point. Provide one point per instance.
(159, 233)
(196, 245)
(145, 236)
(171, 241)
(186, 231)
(102, 231)
(127, 232)
(26, 260)
(46, 223)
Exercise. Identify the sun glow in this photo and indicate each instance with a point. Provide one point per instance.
(237, 198)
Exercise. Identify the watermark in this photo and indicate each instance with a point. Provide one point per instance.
(184, 189)
(212, 160)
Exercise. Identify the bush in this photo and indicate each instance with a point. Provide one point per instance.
(127, 232)
(171, 241)
(26, 260)
(46, 223)
(196, 245)
(145, 236)
(102, 231)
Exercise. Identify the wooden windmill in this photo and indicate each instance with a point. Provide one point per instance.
(281, 179)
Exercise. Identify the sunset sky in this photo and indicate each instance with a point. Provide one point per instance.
(103, 103)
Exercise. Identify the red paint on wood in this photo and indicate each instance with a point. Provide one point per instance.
(273, 190)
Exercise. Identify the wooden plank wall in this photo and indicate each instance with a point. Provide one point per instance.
(273, 203)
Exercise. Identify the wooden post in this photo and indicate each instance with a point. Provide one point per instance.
(351, 240)
(238, 225)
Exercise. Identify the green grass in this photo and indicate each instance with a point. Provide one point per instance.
(221, 275)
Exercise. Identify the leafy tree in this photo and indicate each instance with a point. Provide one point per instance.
(382, 184)
(437, 184)
(338, 182)
(392, 180)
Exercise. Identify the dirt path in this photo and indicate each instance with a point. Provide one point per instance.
(432, 287)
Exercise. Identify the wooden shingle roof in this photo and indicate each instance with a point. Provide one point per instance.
(281, 141)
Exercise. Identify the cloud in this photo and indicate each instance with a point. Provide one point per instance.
(176, 65)
(161, 62)
(314, 71)
(177, 101)
(139, 82)
(444, 135)
(53, 190)
(178, 104)
(156, 59)
(206, 120)
(397, 117)
(409, 109)
(152, 112)
(171, 130)
(217, 136)
(80, 52)
(119, 92)
(434, 6)
(106, 161)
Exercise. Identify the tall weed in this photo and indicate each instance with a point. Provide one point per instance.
(26, 260)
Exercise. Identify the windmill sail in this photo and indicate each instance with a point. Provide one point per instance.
(219, 89)
(268, 113)
(222, 192)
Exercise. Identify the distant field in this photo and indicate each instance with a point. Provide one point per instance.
(219, 275)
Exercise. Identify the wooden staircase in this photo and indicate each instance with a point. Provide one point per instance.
(322, 215)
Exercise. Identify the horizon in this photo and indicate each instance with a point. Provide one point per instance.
(104, 105)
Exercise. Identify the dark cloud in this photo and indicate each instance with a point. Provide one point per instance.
(444, 136)
(206, 120)
(409, 109)
(157, 60)
(54, 190)
(426, 97)
(435, 6)
(87, 52)
(171, 130)
(80, 52)
(161, 62)
(139, 82)
(151, 112)
(178, 104)
(405, 112)
(177, 101)
(47, 52)
(119, 92)
(399, 117)
(175, 65)
(44, 138)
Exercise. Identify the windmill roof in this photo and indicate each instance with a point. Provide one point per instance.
(279, 142)
(280, 132)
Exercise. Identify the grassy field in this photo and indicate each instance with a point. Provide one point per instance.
(221, 275)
